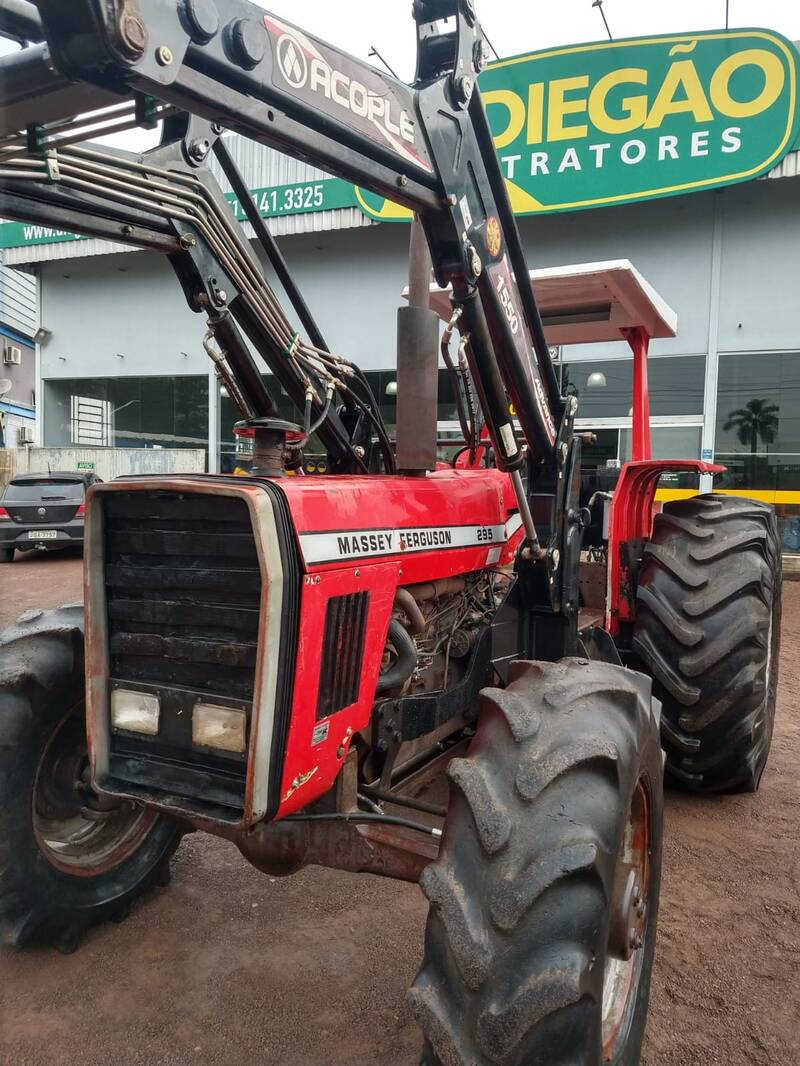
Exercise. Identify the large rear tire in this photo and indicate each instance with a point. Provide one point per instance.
(708, 631)
(68, 856)
(544, 898)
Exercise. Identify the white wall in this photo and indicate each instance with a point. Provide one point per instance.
(109, 463)
(132, 305)
(108, 306)
(760, 275)
(668, 241)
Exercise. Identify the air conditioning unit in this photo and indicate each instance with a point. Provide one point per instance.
(12, 355)
(25, 435)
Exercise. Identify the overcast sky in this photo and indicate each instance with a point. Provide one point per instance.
(515, 26)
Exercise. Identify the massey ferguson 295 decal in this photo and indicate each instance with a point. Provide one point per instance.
(367, 543)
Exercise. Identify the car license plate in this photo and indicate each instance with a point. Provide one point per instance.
(43, 534)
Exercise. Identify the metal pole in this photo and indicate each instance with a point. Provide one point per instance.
(213, 422)
(419, 267)
(373, 51)
(640, 433)
(526, 516)
(20, 20)
(417, 364)
(708, 440)
(599, 4)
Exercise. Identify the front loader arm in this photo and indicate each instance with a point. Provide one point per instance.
(426, 146)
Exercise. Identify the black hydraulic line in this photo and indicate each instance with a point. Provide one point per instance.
(269, 244)
(370, 804)
(403, 801)
(359, 817)
(464, 409)
(332, 432)
(243, 366)
(20, 20)
(516, 256)
(369, 409)
(374, 417)
(491, 390)
(374, 408)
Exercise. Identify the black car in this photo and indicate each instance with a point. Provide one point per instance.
(39, 512)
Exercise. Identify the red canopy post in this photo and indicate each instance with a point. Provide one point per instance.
(639, 341)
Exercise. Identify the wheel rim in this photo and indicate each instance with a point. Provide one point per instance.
(629, 924)
(78, 830)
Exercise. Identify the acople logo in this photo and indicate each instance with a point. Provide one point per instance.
(303, 66)
(292, 61)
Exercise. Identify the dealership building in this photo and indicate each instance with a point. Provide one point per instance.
(679, 154)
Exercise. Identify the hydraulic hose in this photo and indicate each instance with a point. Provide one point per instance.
(363, 818)
(403, 667)
(405, 600)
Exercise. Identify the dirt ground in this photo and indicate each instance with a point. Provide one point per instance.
(233, 968)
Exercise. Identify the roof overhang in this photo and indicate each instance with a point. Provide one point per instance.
(589, 302)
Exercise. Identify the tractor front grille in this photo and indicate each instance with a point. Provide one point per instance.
(183, 591)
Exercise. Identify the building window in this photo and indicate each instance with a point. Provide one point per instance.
(91, 422)
(605, 388)
(169, 412)
(758, 432)
(758, 421)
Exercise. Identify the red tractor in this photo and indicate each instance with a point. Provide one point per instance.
(286, 661)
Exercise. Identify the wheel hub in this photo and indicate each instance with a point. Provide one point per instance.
(79, 830)
(629, 914)
(628, 922)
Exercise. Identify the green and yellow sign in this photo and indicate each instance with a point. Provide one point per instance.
(630, 120)
(612, 122)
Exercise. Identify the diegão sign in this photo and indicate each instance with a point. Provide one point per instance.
(616, 121)
(636, 119)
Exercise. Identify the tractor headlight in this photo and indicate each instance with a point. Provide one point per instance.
(224, 728)
(135, 712)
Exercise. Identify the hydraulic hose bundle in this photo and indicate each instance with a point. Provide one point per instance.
(180, 197)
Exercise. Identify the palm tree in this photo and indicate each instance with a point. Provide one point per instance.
(756, 419)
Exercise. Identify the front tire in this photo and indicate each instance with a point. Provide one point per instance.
(69, 857)
(707, 629)
(544, 897)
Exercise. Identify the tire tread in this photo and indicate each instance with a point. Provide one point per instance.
(509, 975)
(41, 674)
(724, 588)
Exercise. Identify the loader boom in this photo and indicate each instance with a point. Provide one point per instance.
(230, 64)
